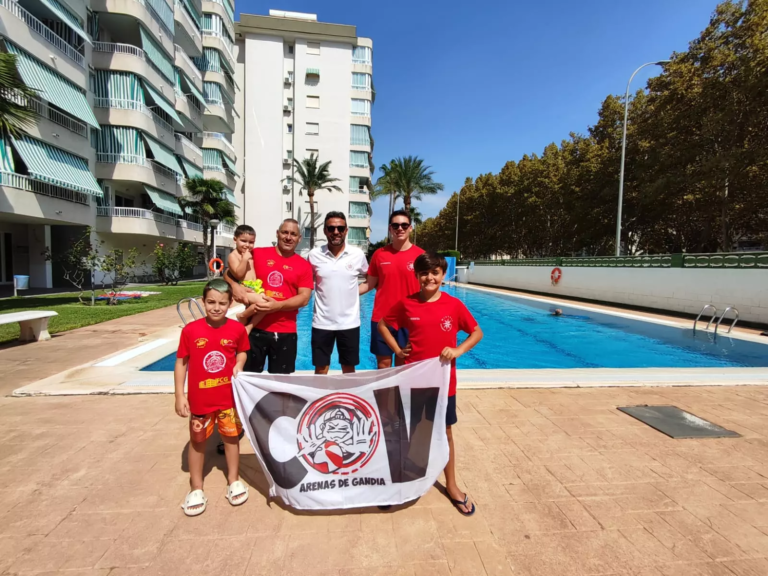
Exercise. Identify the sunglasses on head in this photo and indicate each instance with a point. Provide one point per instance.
(339, 229)
(401, 225)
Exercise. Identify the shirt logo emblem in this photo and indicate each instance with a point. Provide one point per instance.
(286, 267)
(225, 342)
(446, 323)
(270, 263)
(275, 279)
(412, 319)
(201, 342)
(214, 362)
(409, 266)
(350, 267)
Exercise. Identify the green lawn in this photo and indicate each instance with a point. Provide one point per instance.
(73, 315)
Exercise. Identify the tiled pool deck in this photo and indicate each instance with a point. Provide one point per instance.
(565, 485)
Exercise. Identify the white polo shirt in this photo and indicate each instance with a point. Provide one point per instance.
(337, 302)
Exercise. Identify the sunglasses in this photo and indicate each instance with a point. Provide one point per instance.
(339, 229)
(401, 225)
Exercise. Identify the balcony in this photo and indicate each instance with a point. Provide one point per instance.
(219, 142)
(218, 173)
(218, 117)
(55, 126)
(134, 221)
(186, 65)
(130, 58)
(192, 117)
(222, 80)
(224, 12)
(23, 199)
(145, 11)
(188, 33)
(220, 41)
(24, 29)
(187, 149)
(137, 169)
(120, 112)
(365, 68)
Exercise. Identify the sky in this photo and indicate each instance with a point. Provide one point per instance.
(469, 86)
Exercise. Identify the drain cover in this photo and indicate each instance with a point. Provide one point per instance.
(677, 423)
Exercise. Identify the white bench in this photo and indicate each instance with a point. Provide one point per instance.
(33, 324)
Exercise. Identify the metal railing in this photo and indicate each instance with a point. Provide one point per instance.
(21, 182)
(118, 48)
(224, 40)
(193, 69)
(116, 212)
(126, 104)
(229, 22)
(219, 136)
(136, 160)
(65, 120)
(358, 191)
(39, 28)
(189, 225)
(188, 143)
(192, 24)
(753, 260)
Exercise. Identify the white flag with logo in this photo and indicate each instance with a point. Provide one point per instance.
(365, 439)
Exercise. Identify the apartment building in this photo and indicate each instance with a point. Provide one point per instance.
(307, 89)
(133, 97)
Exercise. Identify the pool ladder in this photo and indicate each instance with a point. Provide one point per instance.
(719, 320)
(189, 301)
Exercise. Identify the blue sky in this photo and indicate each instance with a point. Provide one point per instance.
(468, 86)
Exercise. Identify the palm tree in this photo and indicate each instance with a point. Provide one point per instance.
(386, 185)
(411, 178)
(314, 177)
(416, 220)
(15, 113)
(207, 201)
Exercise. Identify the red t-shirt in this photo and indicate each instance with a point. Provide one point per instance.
(282, 277)
(431, 326)
(397, 279)
(212, 357)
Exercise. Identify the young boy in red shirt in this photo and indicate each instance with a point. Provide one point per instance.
(214, 349)
(433, 320)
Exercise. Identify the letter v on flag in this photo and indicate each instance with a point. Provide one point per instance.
(346, 441)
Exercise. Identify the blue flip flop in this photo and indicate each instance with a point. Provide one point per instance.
(464, 503)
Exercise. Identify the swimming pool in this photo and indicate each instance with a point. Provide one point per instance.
(523, 333)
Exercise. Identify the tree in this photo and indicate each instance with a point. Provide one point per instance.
(173, 262)
(15, 112)
(314, 177)
(119, 269)
(409, 178)
(77, 263)
(386, 186)
(207, 201)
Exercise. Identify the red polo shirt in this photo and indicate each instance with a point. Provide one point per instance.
(281, 277)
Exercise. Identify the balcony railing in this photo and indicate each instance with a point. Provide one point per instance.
(124, 104)
(39, 28)
(224, 40)
(45, 111)
(219, 136)
(13, 180)
(189, 225)
(189, 20)
(361, 190)
(357, 242)
(130, 49)
(188, 143)
(213, 168)
(135, 159)
(116, 212)
(193, 69)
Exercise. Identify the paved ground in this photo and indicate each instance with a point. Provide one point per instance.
(565, 485)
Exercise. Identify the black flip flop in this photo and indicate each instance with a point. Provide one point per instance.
(458, 503)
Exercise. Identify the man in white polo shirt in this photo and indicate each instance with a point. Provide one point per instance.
(336, 267)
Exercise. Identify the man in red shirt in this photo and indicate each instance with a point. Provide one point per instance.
(391, 274)
(433, 319)
(288, 283)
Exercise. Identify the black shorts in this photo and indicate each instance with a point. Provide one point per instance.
(379, 347)
(277, 347)
(347, 341)
(450, 411)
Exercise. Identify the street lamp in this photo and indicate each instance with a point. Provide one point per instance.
(458, 205)
(623, 152)
(214, 224)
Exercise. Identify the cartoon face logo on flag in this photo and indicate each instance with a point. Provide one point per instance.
(338, 434)
(343, 441)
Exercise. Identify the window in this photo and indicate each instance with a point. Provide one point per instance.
(307, 232)
(357, 235)
(313, 101)
(357, 185)
(358, 159)
(359, 135)
(362, 55)
(361, 107)
(289, 154)
(313, 48)
(289, 75)
(358, 210)
(289, 180)
(361, 81)
(290, 128)
(290, 103)
(290, 51)
(288, 207)
(313, 128)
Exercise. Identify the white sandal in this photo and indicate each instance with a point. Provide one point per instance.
(235, 492)
(194, 503)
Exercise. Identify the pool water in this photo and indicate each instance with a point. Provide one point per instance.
(521, 333)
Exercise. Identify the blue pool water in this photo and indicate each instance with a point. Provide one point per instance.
(523, 333)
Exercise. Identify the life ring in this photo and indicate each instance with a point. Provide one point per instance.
(556, 275)
(213, 268)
